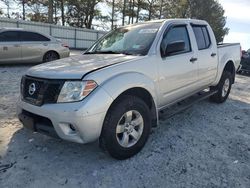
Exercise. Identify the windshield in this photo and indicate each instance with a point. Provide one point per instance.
(130, 40)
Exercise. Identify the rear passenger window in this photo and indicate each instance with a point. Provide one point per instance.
(30, 37)
(206, 36)
(177, 33)
(202, 37)
(9, 36)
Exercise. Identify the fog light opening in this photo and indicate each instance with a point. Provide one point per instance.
(72, 127)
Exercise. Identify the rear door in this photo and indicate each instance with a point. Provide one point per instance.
(34, 46)
(177, 72)
(10, 49)
(207, 55)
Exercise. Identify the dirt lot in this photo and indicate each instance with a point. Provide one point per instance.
(208, 145)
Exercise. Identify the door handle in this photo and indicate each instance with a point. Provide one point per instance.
(16, 45)
(5, 48)
(213, 54)
(45, 44)
(193, 59)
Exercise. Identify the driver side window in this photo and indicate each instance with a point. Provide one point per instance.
(175, 34)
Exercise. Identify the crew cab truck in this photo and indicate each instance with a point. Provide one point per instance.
(115, 90)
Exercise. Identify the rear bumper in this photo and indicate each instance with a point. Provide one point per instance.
(64, 53)
(79, 122)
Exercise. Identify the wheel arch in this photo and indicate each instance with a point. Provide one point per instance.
(143, 94)
(53, 52)
(230, 68)
(133, 83)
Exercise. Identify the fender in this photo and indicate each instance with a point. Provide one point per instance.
(118, 84)
(221, 66)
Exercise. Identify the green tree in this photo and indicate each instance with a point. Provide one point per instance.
(115, 7)
(213, 13)
(151, 7)
(209, 10)
(50, 4)
(62, 4)
(133, 11)
(8, 4)
(38, 11)
(23, 3)
(80, 13)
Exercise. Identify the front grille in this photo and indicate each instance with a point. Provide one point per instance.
(40, 91)
(53, 91)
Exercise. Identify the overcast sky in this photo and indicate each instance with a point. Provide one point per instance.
(238, 20)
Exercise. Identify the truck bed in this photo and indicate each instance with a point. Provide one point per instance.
(222, 45)
(228, 52)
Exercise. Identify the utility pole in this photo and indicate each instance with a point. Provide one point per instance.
(8, 8)
(132, 11)
(50, 11)
(129, 16)
(113, 14)
(23, 5)
(62, 12)
(123, 12)
(161, 9)
(138, 10)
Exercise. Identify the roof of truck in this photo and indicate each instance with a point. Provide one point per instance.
(178, 19)
(187, 20)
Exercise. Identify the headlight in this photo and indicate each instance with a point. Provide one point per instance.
(73, 91)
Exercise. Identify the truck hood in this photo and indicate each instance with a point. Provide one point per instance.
(76, 67)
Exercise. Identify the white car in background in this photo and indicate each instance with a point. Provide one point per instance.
(22, 46)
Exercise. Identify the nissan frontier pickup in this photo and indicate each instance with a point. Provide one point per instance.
(115, 90)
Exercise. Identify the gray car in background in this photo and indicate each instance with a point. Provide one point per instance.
(22, 46)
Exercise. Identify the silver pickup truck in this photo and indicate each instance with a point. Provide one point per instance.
(116, 89)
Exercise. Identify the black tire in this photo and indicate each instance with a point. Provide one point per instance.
(219, 97)
(50, 56)
(108, 139)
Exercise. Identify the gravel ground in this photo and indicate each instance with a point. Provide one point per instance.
(207, 145)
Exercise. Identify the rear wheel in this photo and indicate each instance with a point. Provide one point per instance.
(223, 88)
(50, 56)
(126, 127)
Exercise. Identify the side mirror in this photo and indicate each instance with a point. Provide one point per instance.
(174, 47)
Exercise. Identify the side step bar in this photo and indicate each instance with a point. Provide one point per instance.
(185, 104)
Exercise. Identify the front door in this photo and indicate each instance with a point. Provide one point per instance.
(177, 71)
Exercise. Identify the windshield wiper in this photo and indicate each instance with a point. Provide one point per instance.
(127, 53)
(111, 52)
(103, 52)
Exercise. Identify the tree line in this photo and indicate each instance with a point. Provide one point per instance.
(108, 14)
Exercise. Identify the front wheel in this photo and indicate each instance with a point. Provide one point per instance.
(223, 88)
(126, 127)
